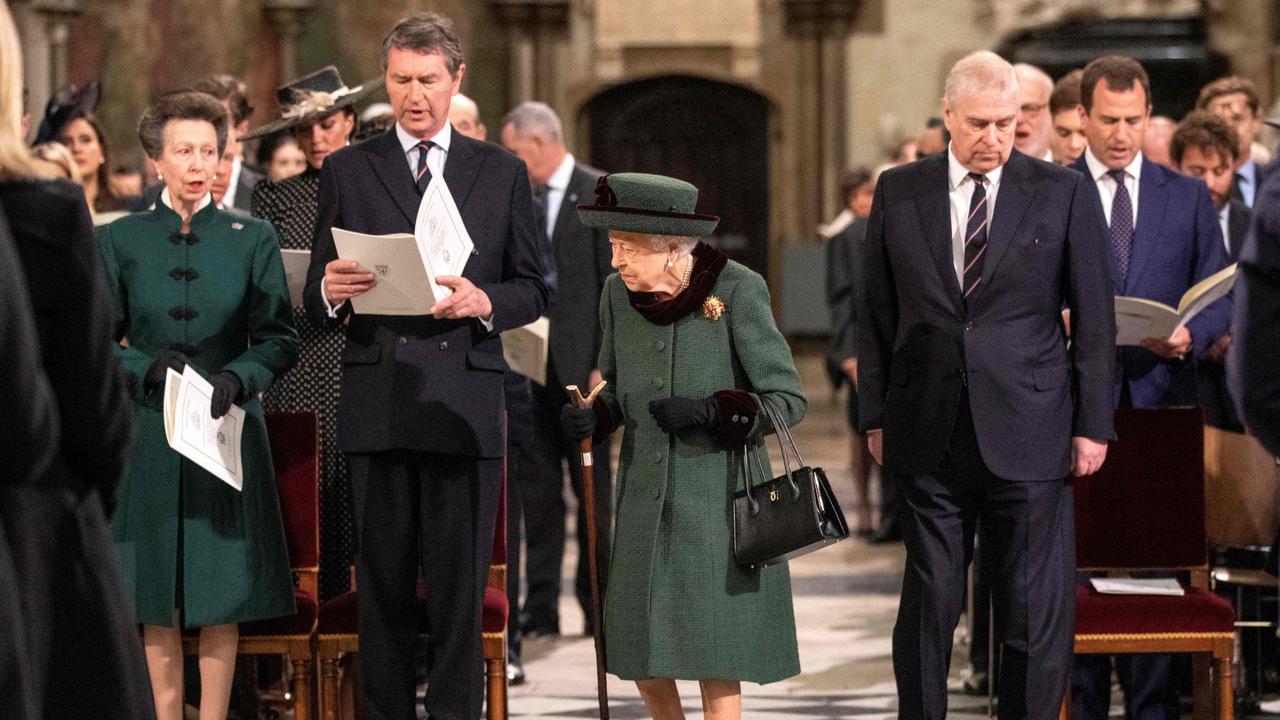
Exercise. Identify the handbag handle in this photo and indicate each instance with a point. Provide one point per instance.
(748, 459)
(780, 430)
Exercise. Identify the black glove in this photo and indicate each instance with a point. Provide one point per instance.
(226, 388)
(578, 423)
(677, 414)
(165, 359)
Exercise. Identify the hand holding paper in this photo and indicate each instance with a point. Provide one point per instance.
(345, 279)
(1172, 348)
(466, 300)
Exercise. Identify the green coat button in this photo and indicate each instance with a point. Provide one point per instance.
(657, 382)
(660, 345)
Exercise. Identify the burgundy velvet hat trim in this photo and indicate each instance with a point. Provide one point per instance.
(708, 264)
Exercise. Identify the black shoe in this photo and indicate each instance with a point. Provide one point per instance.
(976, 684)
(515, 673)
(885, 535)
(533, 632)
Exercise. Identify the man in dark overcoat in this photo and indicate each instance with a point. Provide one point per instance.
(421, 415)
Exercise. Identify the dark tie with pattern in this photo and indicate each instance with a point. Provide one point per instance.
(1237, 191)
(1122, 224)
(975, 236)
(422, 177)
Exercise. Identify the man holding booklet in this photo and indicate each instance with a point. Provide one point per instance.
(421, 416)
(1165, 239)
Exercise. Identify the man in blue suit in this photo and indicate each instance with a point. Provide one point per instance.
(1165, 237)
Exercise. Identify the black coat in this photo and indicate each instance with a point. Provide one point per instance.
(844, 287)
(1211, 377)
(1255, 384)
(30, 428)
(418, 383)
(920, 342)
(86, 657)
(582, 258)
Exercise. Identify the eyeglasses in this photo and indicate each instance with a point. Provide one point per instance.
(1032, 109)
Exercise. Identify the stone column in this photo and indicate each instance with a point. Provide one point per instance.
(820, 28)
(536, 26)
(288, 18)
(56, 14)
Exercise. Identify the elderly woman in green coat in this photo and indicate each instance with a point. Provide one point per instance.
(690, 351)
(196, 286)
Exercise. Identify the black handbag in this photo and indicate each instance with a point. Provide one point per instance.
(788, 516)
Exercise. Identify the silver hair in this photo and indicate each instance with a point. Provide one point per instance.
(1032, 72)
(425, 33)
(535, 118)
(979, 72)
(663, 243)
(467, 104)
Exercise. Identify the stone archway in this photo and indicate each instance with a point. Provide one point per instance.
(713, 134)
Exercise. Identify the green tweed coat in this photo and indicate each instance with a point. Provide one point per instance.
(677, 605)
(184, 539)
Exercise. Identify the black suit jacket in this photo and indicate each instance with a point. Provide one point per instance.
(418, 383)
(920, 342)
(249, 179)
(844, 287)
(74, 317)
(582, 259)
(1255, 384)
(1237, 227)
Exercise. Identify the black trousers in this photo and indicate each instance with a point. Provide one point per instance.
(435, 514)
(542, 470)
(1030, 538)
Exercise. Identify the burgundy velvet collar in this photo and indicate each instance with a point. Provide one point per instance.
(708, 262)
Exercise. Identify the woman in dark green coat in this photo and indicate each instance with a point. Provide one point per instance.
(197, 286)
(690, 350)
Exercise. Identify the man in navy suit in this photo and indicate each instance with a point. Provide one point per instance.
(969, 394)
(1252, 362)
(1165, 238)
(421, 414)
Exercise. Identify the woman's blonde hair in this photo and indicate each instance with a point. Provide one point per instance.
(15, 159)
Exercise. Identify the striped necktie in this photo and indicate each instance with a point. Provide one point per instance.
(975, 236)
(422, 177)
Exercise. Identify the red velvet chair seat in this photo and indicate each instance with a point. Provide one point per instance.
(1199, 611)
(338, 616)
(302, 622)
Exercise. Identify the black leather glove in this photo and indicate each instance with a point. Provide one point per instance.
(677, 414)
(226, 388)
(165, 359)
(578, 423)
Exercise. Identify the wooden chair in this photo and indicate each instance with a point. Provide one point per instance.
(336, 634)
(295, 453)
(1145, 510)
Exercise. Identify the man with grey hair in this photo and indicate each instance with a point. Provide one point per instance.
(464, 115)
(970, 395)
(1035, 124)
(421, 413)
(532, 131)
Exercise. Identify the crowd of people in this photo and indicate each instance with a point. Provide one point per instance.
(971, 280)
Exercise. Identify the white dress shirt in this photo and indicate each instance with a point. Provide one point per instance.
(167, 199)
(557, 185)
(229, 197)
(1248, 173)
(960, 187)
(1224, 219)
(1107, 184)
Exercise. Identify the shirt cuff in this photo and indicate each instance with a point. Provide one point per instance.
(330, 310)
(486, 324)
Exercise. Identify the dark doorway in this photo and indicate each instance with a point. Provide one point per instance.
(712, 134)
(1174, 51)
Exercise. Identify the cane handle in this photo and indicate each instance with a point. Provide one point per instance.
(585, 402)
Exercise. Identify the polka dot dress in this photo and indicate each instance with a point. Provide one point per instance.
(312, 385)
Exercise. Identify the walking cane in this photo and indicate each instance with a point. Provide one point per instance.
(589, 493)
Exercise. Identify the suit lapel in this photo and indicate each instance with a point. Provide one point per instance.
(934, 207)
(1152, 197)
(568, 212)
(1013, 197)
(459, 170)
(392, 169)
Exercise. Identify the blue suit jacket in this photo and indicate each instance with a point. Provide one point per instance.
(1177, 243)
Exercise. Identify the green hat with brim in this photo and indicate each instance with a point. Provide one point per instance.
(648, 204)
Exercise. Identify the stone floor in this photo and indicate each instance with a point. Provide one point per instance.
(845, 598)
